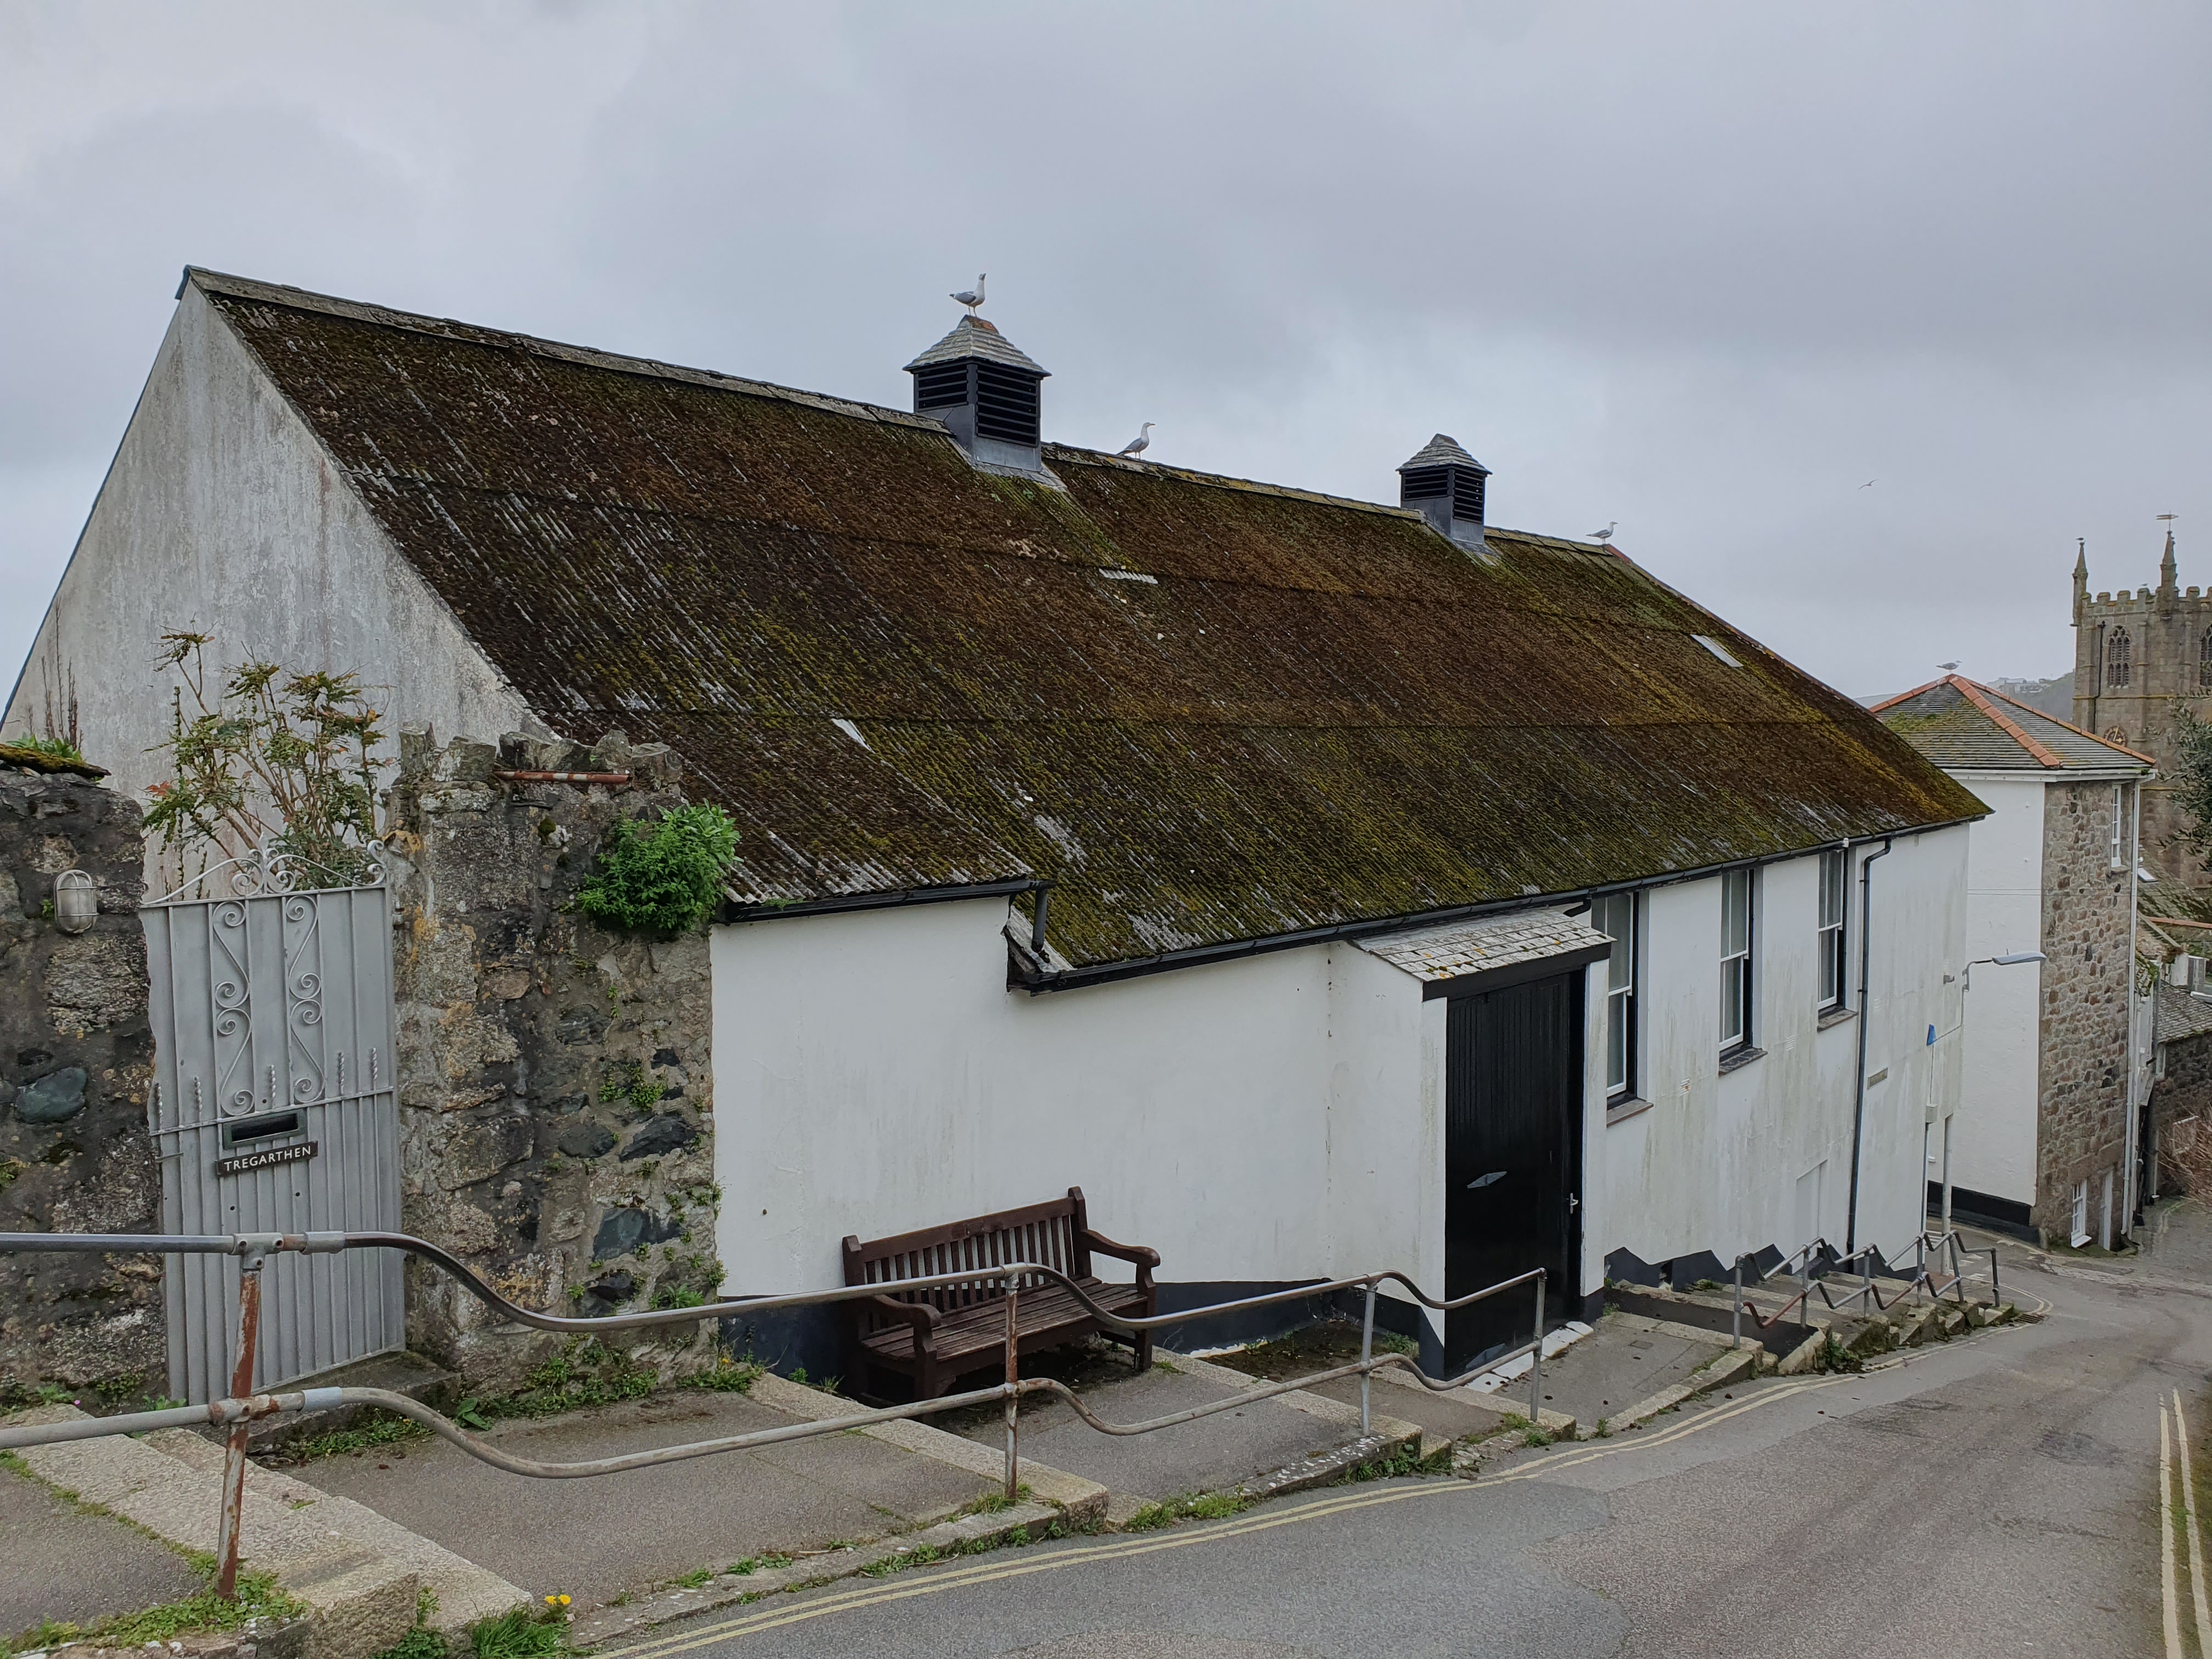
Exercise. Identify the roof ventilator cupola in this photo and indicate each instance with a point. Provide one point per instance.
(1444, 484)
(984, 388)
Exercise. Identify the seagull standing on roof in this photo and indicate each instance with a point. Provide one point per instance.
(972, 297)
(1606, 534)
(1946, 667)
(1137, 445)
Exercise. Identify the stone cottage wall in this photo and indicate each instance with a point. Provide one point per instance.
(2181, 1116)
(2088, 938)
(555, 1097)
(76, 1057)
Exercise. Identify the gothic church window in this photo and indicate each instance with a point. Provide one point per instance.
(2204, 662)
(2119, 658)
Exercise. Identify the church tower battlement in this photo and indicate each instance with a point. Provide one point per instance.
(2140, 659)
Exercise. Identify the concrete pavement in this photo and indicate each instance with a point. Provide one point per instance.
(1995, 1495)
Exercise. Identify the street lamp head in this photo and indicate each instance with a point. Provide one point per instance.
(2017, 957)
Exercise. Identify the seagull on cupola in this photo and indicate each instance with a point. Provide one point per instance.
(971, 297)
(1137, 445)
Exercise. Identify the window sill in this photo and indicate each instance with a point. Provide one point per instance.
(1620, 1111)
(1737, 1058)
(1836, 1017)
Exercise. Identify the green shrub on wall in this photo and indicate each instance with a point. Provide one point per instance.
(661, 877)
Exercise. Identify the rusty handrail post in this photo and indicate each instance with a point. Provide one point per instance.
(241, 1388)
(1536, 1361)
(1013, 1391)
(1366, 1355)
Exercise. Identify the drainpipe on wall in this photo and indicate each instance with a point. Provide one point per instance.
(2138, 1051)
(1859, 1107)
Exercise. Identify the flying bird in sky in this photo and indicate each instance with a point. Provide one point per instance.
(1946, 666)
(1137, 445)
(1606, 534)
(1869, 483)
(971, 297)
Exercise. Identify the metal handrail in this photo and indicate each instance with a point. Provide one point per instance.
(1867, 1258)
(242, 1408)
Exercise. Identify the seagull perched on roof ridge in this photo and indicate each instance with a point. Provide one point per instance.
(972, 297)
(1947, 667)
(1137, 445)
(1606, 534)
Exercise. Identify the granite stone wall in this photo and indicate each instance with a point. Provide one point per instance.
(556, 1092)
(2088, 938)
(2181, 1116)
(76, 1057)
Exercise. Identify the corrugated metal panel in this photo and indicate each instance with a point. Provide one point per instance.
(1318, 711)
(272, 1020)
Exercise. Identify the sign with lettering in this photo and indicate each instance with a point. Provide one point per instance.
(298, 1152)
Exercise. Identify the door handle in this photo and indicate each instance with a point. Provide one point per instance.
(1574, 1203)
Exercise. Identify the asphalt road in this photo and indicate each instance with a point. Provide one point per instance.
(1995, 1495)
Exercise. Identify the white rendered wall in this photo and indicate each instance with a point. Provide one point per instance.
(1993, 1137)
(1264, 1119)
(223, 515)
(1715, 1163)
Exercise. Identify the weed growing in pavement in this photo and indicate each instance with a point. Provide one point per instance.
(991, 1502)
(1834, 1356)
(1604, 1430)
(1391, 1342)
(257, 1598)
(1405, 1461)
(1194, 1506)
(923, 1554)
(753, 1563)
(421, 1642)
(1538, 1437)
(728, 1375)
(383, 1429)
(694, 1578)
(520, 1634)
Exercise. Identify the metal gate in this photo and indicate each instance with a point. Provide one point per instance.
(273, 1110)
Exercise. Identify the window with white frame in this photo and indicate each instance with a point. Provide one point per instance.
(1736, 960)
(1614, 916)
(2119, 817)
(1835, 892)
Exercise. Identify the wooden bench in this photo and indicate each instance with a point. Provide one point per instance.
(934, 1335)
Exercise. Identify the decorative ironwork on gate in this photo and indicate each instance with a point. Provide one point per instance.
(273, 1107)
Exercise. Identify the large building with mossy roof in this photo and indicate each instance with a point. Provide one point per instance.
(1324, 885)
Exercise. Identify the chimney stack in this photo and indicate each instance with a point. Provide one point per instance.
(1444, 484)
(985, 389)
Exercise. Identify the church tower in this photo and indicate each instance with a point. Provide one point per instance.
(2139, 660)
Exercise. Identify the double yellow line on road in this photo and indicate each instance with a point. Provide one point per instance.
(878, 1593)
(2170, 1431)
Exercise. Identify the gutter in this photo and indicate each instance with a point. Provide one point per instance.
(1858, 1102)
(1036, 983)
(733, 911)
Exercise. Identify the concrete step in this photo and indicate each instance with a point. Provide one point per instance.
(402, 1373)
(465, 1591)
(360, 1601)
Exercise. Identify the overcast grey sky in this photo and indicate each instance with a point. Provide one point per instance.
(1705, 269)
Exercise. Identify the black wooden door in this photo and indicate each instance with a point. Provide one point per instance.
(1513, 1099)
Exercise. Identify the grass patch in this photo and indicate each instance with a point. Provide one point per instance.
(1191, 1506)
(991, 1502)
(923, 1554)
(694, 1578)
(421, 1642)
(585, 1373)
(728, 1376)
(1405, 1461)
(520, 1634)
(1535, 1436)
(753, 1563)
(257, 1598)
(384, 1429)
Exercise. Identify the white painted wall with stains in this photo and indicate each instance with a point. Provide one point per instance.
(1280, 1117)
(224, 515)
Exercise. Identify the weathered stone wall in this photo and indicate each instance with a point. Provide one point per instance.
(2088, 938)
(2181, 1116)
(555, 1095)
(76, 1057)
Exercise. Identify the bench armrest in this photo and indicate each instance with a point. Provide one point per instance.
(1144, 1255)
(918, 1316)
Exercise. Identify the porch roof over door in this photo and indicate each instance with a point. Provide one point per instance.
(1531, 942)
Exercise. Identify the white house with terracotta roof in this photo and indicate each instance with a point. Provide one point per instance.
(2047, 1134)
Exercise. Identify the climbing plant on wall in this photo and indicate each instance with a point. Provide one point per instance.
(2192, 779)
(661, 877)
(267, 755)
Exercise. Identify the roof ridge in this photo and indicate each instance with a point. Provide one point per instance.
(2079, 732)
(452, 328)
(1902, 696)
(2011, 728)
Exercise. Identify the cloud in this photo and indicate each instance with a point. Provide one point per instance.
(1704, 277)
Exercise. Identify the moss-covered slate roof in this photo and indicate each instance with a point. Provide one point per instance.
(1313, 712)
(1959, 722)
